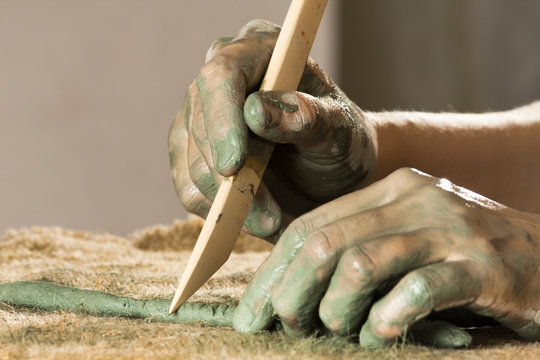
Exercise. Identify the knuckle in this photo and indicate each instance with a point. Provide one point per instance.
(419, 287)
(216, 45)
(336, 325)
(198, 131)
(319, 247)
(294, 236)
(213, 71)
(297, 231)
(358, 266)
(191, 198)
(431, 194)
(258, 26)
(284, 311)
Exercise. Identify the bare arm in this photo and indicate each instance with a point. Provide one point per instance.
(496, 154)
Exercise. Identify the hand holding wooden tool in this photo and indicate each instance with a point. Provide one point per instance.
(233, 200)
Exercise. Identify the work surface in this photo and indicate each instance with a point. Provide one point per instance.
(147, 265)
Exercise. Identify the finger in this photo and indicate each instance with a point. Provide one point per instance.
(199, 138)
(187, 192)
(200, 173)
(223, 82)
(330, 143)
(292, 117)
(310, 272)
(264, 217)
(255, 312)
(440, 334)
(363, 268)
(201, 167)
(432, 288)
(193, 200)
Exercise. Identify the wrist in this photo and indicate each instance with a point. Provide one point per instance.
(388, 131)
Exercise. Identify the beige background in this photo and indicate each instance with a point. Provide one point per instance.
(87, 92)
(88, 88)
(441, 55)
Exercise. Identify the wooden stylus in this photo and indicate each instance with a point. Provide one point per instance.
(235, 195)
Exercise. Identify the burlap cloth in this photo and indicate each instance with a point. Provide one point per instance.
(146, 264)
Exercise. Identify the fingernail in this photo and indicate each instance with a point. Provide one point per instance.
(258, 111)
(264, 217)
(262, 223)
(282, 100)
(243, 317)
(254, 112)
(369, 340)
(247, 320)
(229, 154)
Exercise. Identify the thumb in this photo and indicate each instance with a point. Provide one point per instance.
(289, 117)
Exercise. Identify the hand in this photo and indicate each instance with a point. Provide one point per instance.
(324, 142)
(447, 246)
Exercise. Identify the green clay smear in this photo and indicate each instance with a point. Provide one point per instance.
(49, 296)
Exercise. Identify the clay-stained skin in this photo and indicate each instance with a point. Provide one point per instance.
(50, 296)
(324, 142)
(447, 246)
(330, 260)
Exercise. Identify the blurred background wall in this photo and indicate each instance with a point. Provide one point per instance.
(440, 55)
(88, 89)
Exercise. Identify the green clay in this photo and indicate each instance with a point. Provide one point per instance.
(264, 217)
(262, 222)
(52, 297)
(231, 151)
(224, 109)
(279, 103)
(207, 185)
(254, 112)
(369, 340)
(440, 334)
(49, 296)
(431, 333)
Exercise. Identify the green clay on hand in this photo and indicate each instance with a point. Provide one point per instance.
(223, 107)
(264, 217)
(49, 296)
(440, 334)
(208, 185)
(256, 115)
(255, 311)
(279, 103)
(430, 333)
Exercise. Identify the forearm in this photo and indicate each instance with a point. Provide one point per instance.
(496, 154)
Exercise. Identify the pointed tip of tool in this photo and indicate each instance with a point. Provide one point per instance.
(176, 302)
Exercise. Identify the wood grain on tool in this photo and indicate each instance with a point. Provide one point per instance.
(235, 195)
